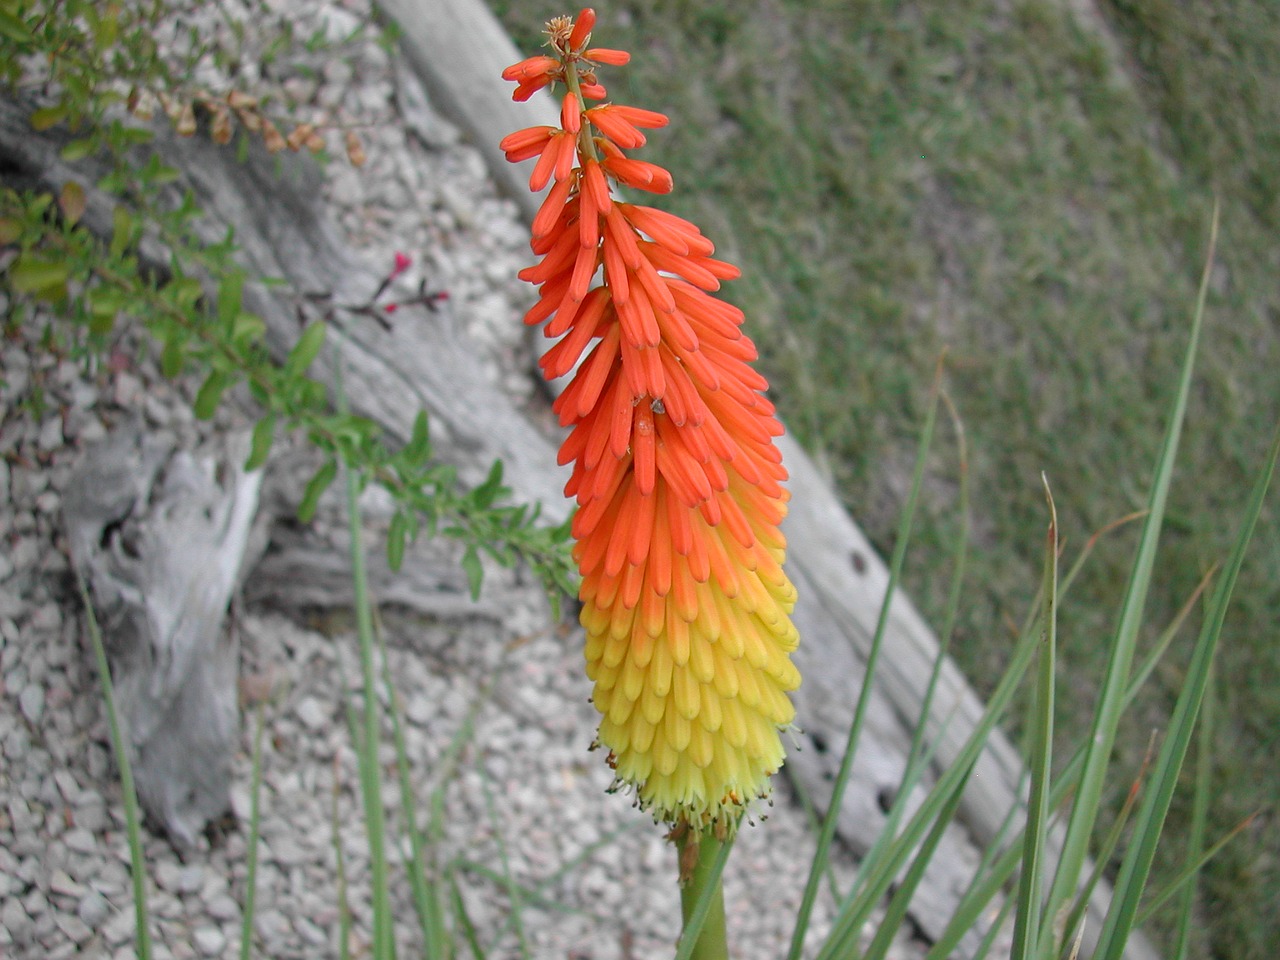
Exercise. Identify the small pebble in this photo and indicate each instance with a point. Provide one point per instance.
(312, 714)
(209, 940)
(93, 909)
(31, 701)
(81, 841)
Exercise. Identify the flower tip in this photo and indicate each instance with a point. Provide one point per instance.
(612, 58)
(582, 28)
(402, 263)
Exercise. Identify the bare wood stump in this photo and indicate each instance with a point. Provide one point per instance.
(159, 535)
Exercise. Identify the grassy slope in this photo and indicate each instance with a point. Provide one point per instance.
(900, 178)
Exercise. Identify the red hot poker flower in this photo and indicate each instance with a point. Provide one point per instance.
(675, 471)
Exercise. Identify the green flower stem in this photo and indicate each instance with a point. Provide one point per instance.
(704, 890)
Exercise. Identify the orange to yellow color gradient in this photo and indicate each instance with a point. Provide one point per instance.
(675, 471)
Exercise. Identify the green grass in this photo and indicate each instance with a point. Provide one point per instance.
(896, 178)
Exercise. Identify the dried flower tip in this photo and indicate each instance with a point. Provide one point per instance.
(315, 143)
(272, 139)
(185, 125)
(557, 30)
(141, 103)
(220, 129)
(238, 100)
(299, 136)
(250, 119)
(356, 154)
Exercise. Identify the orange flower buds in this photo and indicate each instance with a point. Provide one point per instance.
(677, 479)
(582, 28)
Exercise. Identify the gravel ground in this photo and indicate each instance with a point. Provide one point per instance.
(594, 876)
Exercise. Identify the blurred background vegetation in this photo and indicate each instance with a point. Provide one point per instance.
(1026, 185)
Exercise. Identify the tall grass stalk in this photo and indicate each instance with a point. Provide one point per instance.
(426, 891)
(133, 822)
(825, 838)
(1132, 879)
(370, 774)
(1106, 718)
(512, 888)
(1028, 919)
(255, 822)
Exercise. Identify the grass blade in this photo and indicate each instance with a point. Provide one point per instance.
(1106, 717)
(384, 947)
(860, 901)
(919, 754)
(1073, 925)
(1199, 816)
(897, 910)
(137, 865)
(426, 896)
(464, 920)
(1028, 919)
(344, 904)
(508, 878)
(255, 819)
(825, 838)
(1188, 873)
(1150, 820)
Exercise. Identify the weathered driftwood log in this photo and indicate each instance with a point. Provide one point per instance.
(159, 534)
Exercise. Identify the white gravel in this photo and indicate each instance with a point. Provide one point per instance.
(594, 877)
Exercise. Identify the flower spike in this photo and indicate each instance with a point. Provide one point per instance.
(675, 471)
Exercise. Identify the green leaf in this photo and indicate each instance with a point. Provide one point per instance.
(248, 328)
(47, 117)
(14, 29)
(78, 149)
(72, 201)
(173, 354)
(397, 536)
(42, 278)
(121, 230)
(184, 292)
(264, 432)
(104, 305)
(418, 449)
(106, 29)
(316, 486)
(484, 495)
(304, 352)
(230, 291)
(474, 570)
(210, 394)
